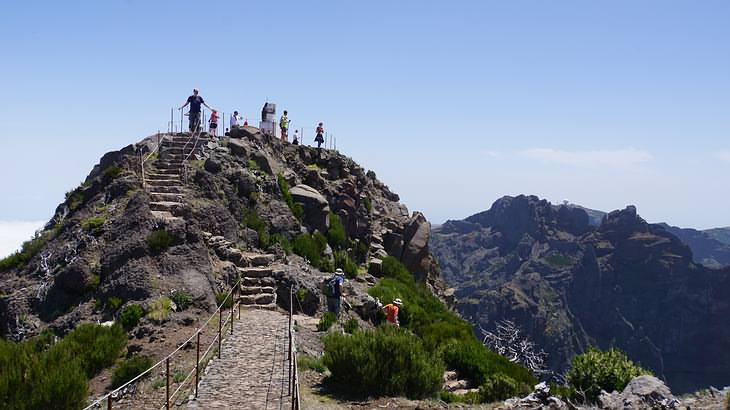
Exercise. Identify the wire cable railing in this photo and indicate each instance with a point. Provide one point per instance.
(117, 394)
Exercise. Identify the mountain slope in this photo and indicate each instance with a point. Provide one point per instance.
(625, 283)
(705, 249)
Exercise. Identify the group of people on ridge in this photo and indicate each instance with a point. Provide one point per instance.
(333, 290)
(196, 101)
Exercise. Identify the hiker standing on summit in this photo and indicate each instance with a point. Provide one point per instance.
(284, 126)
(194, 114)
(319, 139)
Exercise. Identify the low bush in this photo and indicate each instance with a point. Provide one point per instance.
(480, 365)
(129, 369)
(351, 326)
(252, 220)
(94, 225)
(113, 303)
(385, 362)
(182, 299)
(368, 204)
(500, 387)
(283, 241)
(160, 309)
(296, 208)
(336, 235)
(130, 316)
(343, 261)
(110, 173)
(595, 370)
(159, 240)
(306, 362)
(326, 322)
(27, 251)
(74, 199)
(221, 298)
(468, 398)
(93, 282)
(310, 247)
(37, 373)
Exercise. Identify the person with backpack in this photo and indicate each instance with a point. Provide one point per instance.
(284, 126)
(333, 291)
(391, 312)
(319, 139)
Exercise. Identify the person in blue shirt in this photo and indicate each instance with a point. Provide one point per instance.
(195, 102)
(334, 294)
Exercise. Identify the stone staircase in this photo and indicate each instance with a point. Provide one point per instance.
(258, 286)
(163, 176)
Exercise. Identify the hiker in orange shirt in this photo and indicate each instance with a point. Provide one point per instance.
(391, 312)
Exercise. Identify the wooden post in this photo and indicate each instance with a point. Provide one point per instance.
(167, 383)
(291, 310)
(109, 402)
(197, 364)
(220, 326)
(232, 306)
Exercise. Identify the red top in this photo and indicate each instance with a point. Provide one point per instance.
(214, 117)
(391, 312)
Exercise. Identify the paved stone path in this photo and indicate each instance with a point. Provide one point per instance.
(253, 372)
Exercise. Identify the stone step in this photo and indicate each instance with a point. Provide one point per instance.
(176, 189)
(270, 306)
(165, 215)
(166, 197)
(164, 171)
(259, 259)
(260, 299)
(258, 281)
(170, 183)
(255, 290)
(257, 272)
(168, 206)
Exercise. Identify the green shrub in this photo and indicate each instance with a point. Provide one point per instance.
(27, 251)
(95, 346)
(74, 199)
(159, 240)
(368, 204)
(160, 309)
(326, 322)
(182, 299)
(385, 362)
(351, 326)
(94, 225)
(500, 387)
(283, 241)
(306, 362)
(130, 316)
(343, 261)
(252, 220)
(39, 374)
(221, 298)
(93, 282)
(110, 173)
(336, 236)
(113, 303)
(253, 165)
(478, 364)
(310, 247)
(595, 370)
(468, 398)
(129, 369)
(296, 208)
(559, 261)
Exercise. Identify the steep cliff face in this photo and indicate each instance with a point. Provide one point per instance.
(624, 283)
(96, 252)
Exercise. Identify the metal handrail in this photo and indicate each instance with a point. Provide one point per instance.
(113, 393)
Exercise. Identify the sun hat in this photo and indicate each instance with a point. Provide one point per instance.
(339, 271)
(398, 302)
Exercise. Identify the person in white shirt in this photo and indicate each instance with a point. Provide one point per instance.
(234, 119)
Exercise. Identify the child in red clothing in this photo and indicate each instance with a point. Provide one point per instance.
(213, 123)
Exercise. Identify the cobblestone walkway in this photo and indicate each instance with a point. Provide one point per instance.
(253, 372)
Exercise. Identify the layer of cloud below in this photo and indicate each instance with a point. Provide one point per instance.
(14, 233)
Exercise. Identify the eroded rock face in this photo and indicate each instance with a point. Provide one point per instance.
(316, 207)
(625, 283)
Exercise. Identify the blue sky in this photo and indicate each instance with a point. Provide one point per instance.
(453, 104)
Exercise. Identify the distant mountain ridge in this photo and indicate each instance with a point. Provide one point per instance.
(568, 284)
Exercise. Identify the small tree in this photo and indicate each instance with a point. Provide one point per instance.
(508, 341)
(595, 370)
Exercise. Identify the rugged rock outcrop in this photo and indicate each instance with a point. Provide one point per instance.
(99, 249)
(625, 283)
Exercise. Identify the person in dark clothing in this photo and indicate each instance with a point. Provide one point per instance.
(319, 139)
(334, 292)
(195, 102)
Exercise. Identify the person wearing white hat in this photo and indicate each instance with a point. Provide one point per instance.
(391, 312)
(333, 290)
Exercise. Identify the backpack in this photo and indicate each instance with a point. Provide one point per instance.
(331, 287)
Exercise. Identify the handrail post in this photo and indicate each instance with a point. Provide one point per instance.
(232, 306)
(291, 309)
(167, 383)
(197, 364)
(220, 325)
(109, 402)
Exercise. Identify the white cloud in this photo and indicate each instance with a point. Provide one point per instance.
(621, 158)
(14, 233)
(722, 155)
(491, 154)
